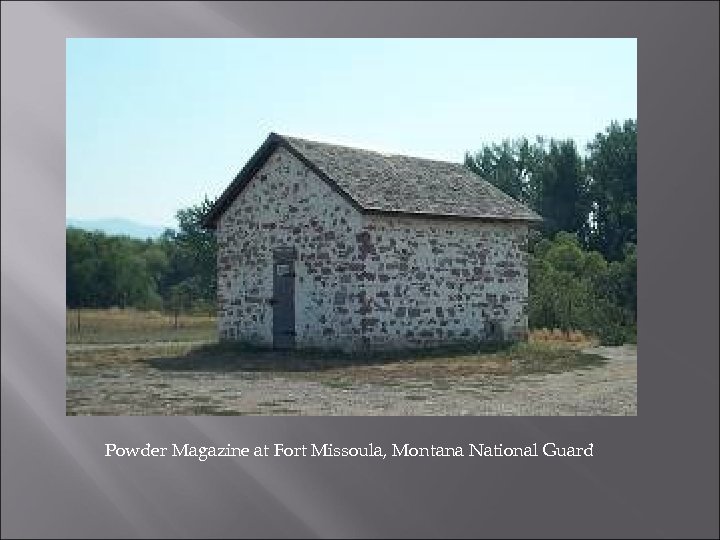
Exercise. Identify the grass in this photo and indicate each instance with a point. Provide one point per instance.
(94, 359)
(134, 326)
(208, 410)
(555, 335)
(546, 351)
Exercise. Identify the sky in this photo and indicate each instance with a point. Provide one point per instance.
(155, 125)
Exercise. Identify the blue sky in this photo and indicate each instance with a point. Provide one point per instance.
(155, 124)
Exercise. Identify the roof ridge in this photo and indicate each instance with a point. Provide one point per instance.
(290, 138)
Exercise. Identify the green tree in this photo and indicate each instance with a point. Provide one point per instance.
(612, 169)
(104, 271)
(509, 166)
(192, 255)
(547, 175)
(561, 191)
(572, 288)
(179, 269)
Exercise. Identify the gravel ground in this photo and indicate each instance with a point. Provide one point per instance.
(606, 390)
(135, 388)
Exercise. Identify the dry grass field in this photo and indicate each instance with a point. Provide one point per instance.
(135, 326)
(555, 335)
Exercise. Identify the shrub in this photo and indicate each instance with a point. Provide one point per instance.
(576, 290)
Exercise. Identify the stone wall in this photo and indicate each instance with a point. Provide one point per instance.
(364, 280)
(429, 281)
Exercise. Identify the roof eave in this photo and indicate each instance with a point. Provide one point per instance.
(441, 215)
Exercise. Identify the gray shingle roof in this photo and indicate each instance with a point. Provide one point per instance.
(383, 183)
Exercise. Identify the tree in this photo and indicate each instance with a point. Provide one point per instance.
(571, 288)
(547, 175)
(104, 271)
(509, 166)
(192, 252)
(179, 269)
(612, 169)
(561, 190)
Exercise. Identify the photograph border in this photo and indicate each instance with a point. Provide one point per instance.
(652, 475)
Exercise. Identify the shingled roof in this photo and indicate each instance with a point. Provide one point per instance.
(379, 183)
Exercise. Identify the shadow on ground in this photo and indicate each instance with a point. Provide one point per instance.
(519, 358)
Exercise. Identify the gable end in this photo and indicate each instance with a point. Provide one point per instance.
(247, 173)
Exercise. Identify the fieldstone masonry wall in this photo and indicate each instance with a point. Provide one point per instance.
(364, 281)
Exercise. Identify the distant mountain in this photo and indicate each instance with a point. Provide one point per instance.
(117, 226)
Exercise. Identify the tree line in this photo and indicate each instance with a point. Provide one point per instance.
(582, 257)
(174, 272)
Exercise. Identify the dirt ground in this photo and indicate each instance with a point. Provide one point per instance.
(166, 379)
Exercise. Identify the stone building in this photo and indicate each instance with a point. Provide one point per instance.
(327, 246)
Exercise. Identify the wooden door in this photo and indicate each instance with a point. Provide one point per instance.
(283, 303)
